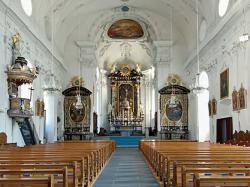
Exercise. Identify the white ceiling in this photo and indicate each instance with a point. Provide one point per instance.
(74, 20)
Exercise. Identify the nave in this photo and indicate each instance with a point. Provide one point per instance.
(80, 79)
(127, 168)
(178, 163)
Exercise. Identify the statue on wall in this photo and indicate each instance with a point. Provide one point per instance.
(18, 45)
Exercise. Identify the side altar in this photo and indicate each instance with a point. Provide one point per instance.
(125, 111)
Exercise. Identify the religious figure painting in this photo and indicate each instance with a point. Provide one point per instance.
(214, 106)
(242, 98)
(174, 110)
(224, 84)
(76, 115)
(125, 29)
(210, 107)
(126, 96)
(235, 100)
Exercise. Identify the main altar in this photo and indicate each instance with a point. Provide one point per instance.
(125, 111)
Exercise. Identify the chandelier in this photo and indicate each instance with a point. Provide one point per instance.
(78, 104)
(173, 96)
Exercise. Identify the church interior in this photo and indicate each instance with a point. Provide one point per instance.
(118, 93)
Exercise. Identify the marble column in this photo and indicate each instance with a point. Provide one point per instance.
(51, 101)
(203, 127)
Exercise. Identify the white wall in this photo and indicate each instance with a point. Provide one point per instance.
(224, 51)
(36, 50)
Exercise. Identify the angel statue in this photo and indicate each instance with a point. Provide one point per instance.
(17, 45)
(138, 68)
(113, 68)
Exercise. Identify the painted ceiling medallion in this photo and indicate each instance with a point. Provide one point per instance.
(125, 29)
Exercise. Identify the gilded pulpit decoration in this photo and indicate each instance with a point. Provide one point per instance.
(19, 73)
(174, 107)
(77, 119)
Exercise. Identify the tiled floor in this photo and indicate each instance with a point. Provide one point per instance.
(127, 168)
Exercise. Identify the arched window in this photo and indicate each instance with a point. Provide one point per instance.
(27, 7)
(223, 6)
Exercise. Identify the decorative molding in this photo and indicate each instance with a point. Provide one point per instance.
(231, 16)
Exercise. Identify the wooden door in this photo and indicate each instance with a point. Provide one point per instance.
(224, 129)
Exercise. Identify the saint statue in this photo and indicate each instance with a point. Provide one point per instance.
(18, 45)
(125, 103)
(138, 68)
(113, 68)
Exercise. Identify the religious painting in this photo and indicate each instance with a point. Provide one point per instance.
(242, 98)
(235, 100)
(76, 115)
(224, 84)
(174, 110)
(126, 96)
(214, 106)
(210, 108)
(37, 107)
(42, 109)
(125, 29)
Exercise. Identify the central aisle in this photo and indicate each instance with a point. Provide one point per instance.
(127, 168)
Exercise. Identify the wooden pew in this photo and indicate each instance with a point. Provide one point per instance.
(229, 171)
(88, 156)
(235, 181)
(178, 174)
(71, 169)
(162, 155)
(18, 182)
(18, 172)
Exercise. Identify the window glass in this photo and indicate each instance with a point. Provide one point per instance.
(223, 5)
(27, 6)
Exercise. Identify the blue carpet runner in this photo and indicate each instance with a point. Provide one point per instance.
(126, 168)
(127, 141)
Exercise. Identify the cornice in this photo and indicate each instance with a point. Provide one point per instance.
(230, 17)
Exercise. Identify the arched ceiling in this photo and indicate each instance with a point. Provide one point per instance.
(81, 19)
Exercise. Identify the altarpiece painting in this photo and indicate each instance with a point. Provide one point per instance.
(224, 84)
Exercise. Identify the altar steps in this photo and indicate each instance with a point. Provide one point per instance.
(123, 141)
(127, 141)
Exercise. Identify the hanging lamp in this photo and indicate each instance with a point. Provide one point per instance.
(197, 87)
(78, 104)
(173, 96)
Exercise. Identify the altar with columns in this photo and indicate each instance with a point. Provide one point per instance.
(125, 112)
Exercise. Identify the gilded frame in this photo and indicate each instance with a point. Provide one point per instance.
(224, 84)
